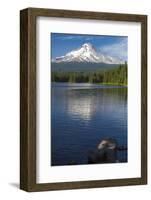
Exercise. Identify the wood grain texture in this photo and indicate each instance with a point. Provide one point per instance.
(28, 98)
(144, 99)
(86, 15)
(24, 182)
(27, 101)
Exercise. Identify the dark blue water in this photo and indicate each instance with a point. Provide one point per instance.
(81, 116)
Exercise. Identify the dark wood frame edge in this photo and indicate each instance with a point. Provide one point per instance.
(28, 98)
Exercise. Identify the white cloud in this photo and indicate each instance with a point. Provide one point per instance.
(71, 37)
(118, 50)
(79, 37)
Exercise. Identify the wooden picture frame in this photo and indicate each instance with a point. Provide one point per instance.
(28, 98)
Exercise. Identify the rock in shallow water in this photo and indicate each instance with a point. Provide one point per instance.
(106, 152)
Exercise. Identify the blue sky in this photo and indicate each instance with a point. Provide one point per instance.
(115, 46)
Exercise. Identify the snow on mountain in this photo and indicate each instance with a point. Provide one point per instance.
(87, 53)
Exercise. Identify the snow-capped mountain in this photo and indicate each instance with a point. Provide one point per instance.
(87, 53)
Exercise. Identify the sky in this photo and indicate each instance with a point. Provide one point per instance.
(115, 46)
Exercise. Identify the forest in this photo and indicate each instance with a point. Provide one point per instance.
(115, 76)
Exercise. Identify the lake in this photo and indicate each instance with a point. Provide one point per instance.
(83, 114)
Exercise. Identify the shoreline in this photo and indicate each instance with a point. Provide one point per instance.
(104, 83)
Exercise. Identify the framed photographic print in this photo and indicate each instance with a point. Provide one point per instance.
(83, 93)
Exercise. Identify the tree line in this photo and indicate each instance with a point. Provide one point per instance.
(116, 76)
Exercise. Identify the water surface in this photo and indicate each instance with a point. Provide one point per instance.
(81, 116)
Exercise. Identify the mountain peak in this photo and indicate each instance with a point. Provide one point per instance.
(87, 45)
(87, 53)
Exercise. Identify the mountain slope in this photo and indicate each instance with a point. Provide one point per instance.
(87, 54)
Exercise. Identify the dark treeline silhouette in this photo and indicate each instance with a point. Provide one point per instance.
(112, 76)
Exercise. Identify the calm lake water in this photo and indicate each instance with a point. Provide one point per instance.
(81, 116)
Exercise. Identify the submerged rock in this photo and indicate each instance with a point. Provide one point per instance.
(106, 152)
